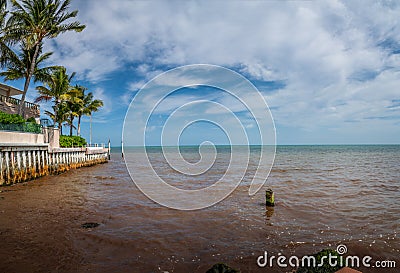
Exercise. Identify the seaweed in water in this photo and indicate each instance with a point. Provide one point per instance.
(90, 225)
(222, 268)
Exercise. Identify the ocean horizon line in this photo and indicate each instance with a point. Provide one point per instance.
(254, 145)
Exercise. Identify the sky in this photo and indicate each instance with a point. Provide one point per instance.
(328, 70)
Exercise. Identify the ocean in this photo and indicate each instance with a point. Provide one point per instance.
(325, 196)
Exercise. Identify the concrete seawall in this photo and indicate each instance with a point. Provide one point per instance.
(23, 162)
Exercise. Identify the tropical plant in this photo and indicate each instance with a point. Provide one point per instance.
(3, 14)
(69, 101)
(33, 21)
(93, 106)
(56, 88)
(74, 104)
(89, 105)
(15, 122)
(72, 141)
(59, 116)
(17, 65)
(11, 118)
(81, 111)
(31, 120)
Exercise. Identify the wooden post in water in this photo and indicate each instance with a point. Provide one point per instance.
(269, 198)
(109, 149)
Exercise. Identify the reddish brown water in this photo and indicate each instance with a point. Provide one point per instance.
(324, 197)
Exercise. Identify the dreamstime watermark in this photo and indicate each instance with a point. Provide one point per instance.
(245, 111)
(331, 259)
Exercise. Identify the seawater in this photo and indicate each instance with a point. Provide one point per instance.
(325, 196)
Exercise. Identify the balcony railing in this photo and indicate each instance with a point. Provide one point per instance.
(14, 101)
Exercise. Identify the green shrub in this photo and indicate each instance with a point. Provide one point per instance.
(31, 120)
(32, 127)
(15, 122)
(72, 141)
(24, 127)
(11, 118)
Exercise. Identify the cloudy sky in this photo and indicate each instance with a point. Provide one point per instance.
(329, 70)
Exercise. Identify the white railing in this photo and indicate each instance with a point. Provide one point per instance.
(96, 145)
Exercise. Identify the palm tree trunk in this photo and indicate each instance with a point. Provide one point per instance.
(21, 109)
(79, 125)
(90, 138)
(71, 125)
(56, 116)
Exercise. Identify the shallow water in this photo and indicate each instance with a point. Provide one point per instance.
(325, 195)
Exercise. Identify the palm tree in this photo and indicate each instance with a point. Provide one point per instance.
(3, 14)
(78, 104)
(73, 104)
(58, 116)
(32, 22)
(18, 65)
(56, 87)
(85, 99)
(92, 106)
(89, 105)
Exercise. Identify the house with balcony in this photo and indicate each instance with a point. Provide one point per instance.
(9, 104)
(21, 135)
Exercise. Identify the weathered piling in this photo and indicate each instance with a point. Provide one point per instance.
(19, 163)
(269, 198)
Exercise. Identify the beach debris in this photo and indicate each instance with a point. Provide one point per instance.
(222, 268)
(269, 198)
(90, 225)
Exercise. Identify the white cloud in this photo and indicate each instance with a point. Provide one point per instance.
(99, 93)
(322, 50)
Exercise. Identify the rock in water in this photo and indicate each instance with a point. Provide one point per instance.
(90, 225)
(222, 268)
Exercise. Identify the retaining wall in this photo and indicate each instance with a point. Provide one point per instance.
(21, 137)
(19, 163)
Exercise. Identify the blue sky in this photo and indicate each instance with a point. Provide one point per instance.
(329, 70)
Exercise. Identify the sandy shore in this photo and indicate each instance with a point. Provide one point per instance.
(41, 228)
(40, 220)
